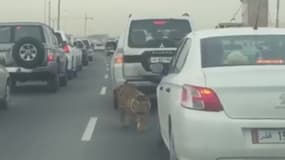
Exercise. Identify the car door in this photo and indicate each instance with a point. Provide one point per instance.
(60, 53)
(168, 89)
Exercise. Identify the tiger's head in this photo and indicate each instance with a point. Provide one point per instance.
(141, 104)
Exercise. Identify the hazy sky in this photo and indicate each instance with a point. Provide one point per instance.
(110, 16)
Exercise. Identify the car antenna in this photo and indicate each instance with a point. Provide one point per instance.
(257, 16)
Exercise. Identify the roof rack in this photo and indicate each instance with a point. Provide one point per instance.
(186, 14)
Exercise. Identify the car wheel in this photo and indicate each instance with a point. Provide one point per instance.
(70, 75)
(75, 74)
(172, 152)
(13, 85)
(53, 83)
(115, 100)
(5, 102)
(28, 52)
(64, 80)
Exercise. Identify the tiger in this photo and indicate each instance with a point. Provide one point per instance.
(132, 105)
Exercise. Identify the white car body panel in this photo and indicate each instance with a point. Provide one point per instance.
(249, 103)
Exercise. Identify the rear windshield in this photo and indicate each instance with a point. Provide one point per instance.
(243, 50)
(29, 31)
(86, 43)
(165, 33)
(14, 33)
(5, 34)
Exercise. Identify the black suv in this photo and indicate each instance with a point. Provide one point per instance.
(32, 53)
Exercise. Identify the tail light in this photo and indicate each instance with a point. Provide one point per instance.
(51, 57)
(200, 98)
(67, 48)
(119, 59)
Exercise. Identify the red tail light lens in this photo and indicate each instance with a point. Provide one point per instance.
(200, 98)
(51, 57)
(67, 48)
(119, 59)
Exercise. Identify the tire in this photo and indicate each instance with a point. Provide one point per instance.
(91, 59)
(5, 102)
(13, 85)
(70, 75)
(28, 53)
(172, 152)
(75, 74)
(115, 100)
(63, 80)
(53, 83)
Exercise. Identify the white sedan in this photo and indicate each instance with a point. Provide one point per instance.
(223, 96)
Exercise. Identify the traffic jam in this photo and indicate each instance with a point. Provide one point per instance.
(160, 90)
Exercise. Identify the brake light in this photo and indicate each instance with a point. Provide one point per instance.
(66, 48)
(200, 98)
(119, 59)
(51, 57)
(159, 22)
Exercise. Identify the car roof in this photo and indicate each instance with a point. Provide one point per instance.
(236, 32)
(22, 23)
(153, 18)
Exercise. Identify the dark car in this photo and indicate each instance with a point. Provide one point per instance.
(32, 53)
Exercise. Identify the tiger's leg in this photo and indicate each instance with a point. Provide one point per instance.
(140, 120)
(124, 119)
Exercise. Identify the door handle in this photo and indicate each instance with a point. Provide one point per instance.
(161, 88)
(168, 90)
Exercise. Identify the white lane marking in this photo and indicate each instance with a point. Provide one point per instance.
(106, 76)
(87, 135)
(103, 90)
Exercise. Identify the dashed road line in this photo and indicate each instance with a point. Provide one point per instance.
(87, 135)
(106, 76)
(103, 90)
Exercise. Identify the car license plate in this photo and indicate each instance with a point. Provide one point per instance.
(160, 59)
(268, 136)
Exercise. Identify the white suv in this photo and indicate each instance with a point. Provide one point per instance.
(73, 54)
(144, 42)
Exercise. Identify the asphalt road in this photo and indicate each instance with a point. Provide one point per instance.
(77, 123)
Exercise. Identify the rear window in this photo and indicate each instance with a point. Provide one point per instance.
(5, 34)
(86, 43)
(59, 38)
(243, 50)
(29, 31)
(163, 33)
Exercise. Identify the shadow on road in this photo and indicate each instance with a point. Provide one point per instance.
(33, 89)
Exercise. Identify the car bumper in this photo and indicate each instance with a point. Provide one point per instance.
(39, 73)
(213, 136)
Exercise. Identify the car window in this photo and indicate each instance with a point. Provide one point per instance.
(243, 50)
(183, 55)
(175, 58)
(29, 31)
(163, 33)
(5, 34)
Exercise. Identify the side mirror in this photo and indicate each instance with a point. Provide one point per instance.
(157, 68)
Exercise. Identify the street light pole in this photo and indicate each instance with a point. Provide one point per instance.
(277, 13)
(86, 23)
(45, 11)
(49, 12)
(58, 14)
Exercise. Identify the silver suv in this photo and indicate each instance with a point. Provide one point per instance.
(146, 41)
(32, 52)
